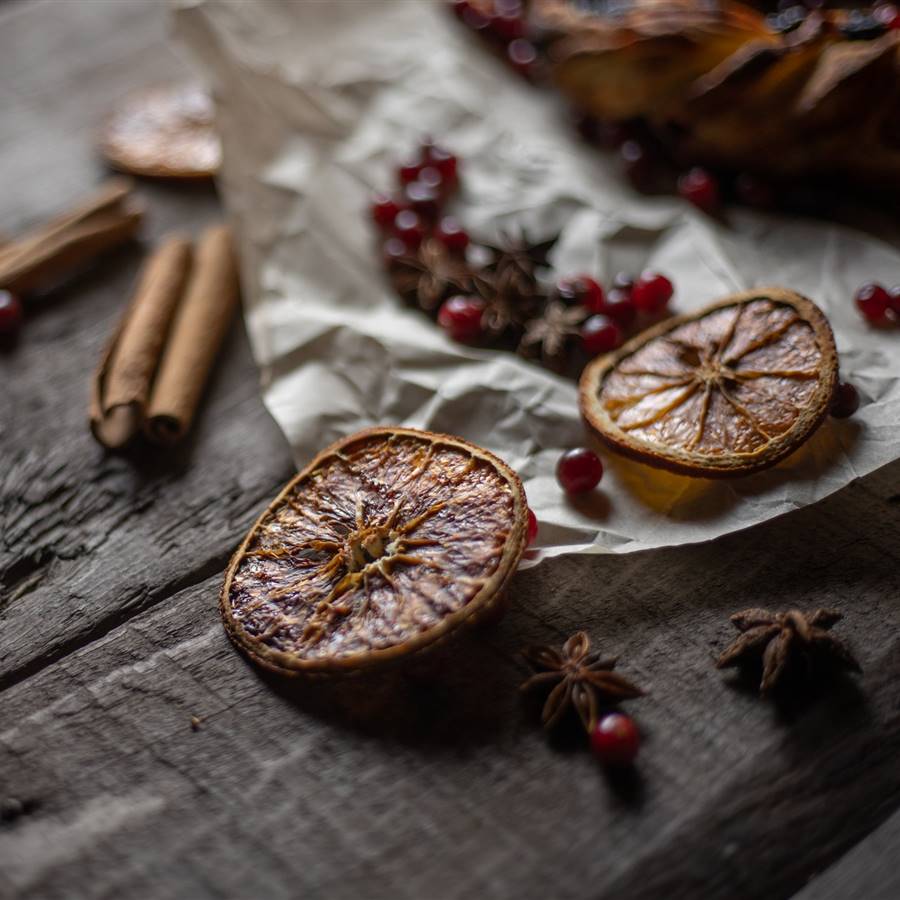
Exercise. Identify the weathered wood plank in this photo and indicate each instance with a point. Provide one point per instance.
(434, 783)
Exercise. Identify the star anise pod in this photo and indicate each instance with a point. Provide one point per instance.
(506, 308)
(579, 679)
(780, 638)
(430, 275)
(551, 334)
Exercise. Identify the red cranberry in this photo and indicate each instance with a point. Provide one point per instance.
(651, 292)
(700, 187)
(409, 226)
(618, 305)
(508, 25)
(579, 471)
(423, 199)
(531, 529)
(582, 289)
(394, 251)
(474, 19)
(11, 314)
(615, 741)
(846, 400)
(460, 317)
(522, 55)
(451, 234)
(409, 170)
(600, 334)
(623, 281)
(460, 7)
(753, 191)
(895, 299)
(445, 162)
(873, 301)
(384, 210)
(888, 15)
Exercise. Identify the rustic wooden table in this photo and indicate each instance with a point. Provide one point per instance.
(429, 784)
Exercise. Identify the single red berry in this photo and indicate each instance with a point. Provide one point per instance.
(11, 314)
(508, 25)
(600, 334)
(431, 177)
(888, 15)
(460, 317)
(531, 529)
(409, 170)
(651, 292)
(623, 281)
(700, 187)
(384, 210)
(615, 741)
(423, 199)
(522, 55)
(873, 301)
(460, 7)
(754, 191)
(445, 162)
(579, 471)
(618, 305)
(895, 299)
(581, 290)
(408, 226)
(846, 400)
(451, 234)
(475, 19)
(394, 250)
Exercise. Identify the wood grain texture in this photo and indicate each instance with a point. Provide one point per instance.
(436, 782)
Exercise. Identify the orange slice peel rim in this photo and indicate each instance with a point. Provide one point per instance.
(357, 558)
(716, 372)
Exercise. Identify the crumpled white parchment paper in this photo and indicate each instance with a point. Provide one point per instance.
(318, 101)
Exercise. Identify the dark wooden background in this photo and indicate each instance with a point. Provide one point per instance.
(434, 783)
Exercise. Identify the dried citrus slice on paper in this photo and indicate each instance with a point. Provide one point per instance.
(166, 131)
(385, 543)
(725, 391)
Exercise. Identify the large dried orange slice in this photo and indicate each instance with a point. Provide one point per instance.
(388, 541)
(166, 131)
(724, 391)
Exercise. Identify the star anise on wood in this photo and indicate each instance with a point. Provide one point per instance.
(779, 639)
(430, 275)
(551, 334)
(578, 678)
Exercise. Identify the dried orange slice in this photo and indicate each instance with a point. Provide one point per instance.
(166, 131)
(385, 543)
(725, 391)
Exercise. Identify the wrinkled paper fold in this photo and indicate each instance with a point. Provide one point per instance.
(317, 102)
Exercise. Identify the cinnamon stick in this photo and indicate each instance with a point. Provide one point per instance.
(103, 221)
(122, 384)
(201, 323)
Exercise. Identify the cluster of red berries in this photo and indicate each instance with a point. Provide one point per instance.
(11, 315)
(503, 24)
(614, 313)
(878, 305)
(426, 182)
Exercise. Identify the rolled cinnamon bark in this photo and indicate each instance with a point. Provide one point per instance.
(122, 385)
(201, 323)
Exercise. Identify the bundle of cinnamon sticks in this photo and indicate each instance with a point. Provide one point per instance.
(44, 255)
(151, 377)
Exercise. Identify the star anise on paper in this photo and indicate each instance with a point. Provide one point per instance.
(506, 307)
(552, 333)
(780, 639)
(430, 275)
(578, 678)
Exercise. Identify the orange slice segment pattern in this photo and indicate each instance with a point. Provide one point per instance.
(733, 388)
(384, 542)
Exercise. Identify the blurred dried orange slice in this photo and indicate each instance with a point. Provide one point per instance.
(388, 541)
(725, 391)
(166, 131)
